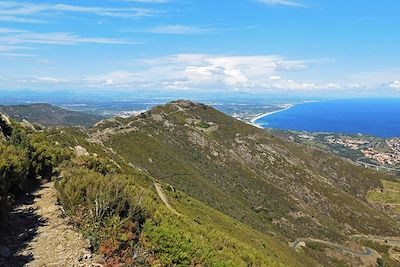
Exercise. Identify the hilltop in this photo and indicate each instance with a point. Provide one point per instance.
(49, 115)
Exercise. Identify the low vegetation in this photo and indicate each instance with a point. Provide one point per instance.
(126, 223)
(389, 195)
(25, 156)
(241, 195)
(203, 124)
(48, 115)
(383, 249)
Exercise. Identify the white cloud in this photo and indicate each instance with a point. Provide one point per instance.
(256, 73)
(11, 51)
(57, 38)
(8, 18)
(49, 80)
(9, 30)
(275, 78)
(14, 40)
(278, 83)
(395, 85)
(289, 3)
(202, 71)
(26, 12)
(12, 55)
(384, 78)
(178, 29)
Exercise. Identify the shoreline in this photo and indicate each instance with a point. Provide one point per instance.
(284, 108)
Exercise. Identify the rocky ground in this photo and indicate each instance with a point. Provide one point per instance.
(37, 234)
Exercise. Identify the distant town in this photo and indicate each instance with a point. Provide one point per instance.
(368, 151)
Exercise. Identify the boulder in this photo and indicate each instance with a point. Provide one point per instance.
(27, 125)
(81, 151)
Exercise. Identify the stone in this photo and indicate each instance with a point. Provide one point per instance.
(81, 151)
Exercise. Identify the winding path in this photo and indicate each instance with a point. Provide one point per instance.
(368, 252)
(164, 198)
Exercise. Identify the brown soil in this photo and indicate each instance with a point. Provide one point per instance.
(37, 234)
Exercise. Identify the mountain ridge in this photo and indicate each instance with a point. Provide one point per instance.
(49, 115)
(269, 184)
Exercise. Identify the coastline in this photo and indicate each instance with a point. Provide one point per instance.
(284, 108)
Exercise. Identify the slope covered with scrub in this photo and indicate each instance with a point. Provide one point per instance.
(117, 208)
(242, 171)
(237, 195)
(49, 115)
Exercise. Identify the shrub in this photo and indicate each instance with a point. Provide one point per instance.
(101, 196)
(13, 168)
(45, 155)
(203, 124)
(109, 209)
(170, 244)
(98, 164)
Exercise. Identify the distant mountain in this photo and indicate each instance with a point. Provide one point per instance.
(276, 187)
(49, 115)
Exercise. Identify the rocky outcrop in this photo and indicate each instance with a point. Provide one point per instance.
(81, 151)
(5, 125)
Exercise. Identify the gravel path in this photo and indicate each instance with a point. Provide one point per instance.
(36, 234)
(164, 199)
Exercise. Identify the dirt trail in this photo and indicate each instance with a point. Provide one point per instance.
(368, 252)
(164, 199)
(37, 235)
(368, 255)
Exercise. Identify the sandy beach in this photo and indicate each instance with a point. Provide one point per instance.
(284, 108)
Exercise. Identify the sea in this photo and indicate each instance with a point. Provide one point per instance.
(377, 117)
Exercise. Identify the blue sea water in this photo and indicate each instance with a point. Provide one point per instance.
(378, 117)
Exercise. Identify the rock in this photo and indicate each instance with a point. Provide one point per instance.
(301, 244)
(4, 252)
(157, 117)
(6, 119)
(5, 126)
(81, 151)
(184, 103)
(27, 125)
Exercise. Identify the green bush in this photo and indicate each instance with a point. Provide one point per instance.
(45, 155)
(108, 208)
(98, 164)
(99, 195)
(203, 124)
(170, 244)
(25, 155)
(13, 168)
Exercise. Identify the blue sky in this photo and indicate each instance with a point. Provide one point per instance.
(208, 45)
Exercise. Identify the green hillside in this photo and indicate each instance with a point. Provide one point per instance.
(118, 210)
(244, 172)
(48, 115)
(187, 185)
